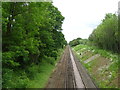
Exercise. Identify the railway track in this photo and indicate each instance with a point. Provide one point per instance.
(69, 73)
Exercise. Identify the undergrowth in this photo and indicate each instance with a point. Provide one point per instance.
(109, 74)
(34, 76)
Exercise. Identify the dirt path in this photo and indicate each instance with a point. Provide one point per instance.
(69, 73)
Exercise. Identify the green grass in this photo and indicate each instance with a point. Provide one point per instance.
(46, 69)
(41, 77)
(107, 54)
(34, 76)
(90, 66)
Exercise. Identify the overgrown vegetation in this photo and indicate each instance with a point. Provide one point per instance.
(103, 41)
(106, 35)
(34, 76)
(78, 41)
(103, 69)
(32, 37)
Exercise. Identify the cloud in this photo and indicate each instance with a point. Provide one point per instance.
(82, 16)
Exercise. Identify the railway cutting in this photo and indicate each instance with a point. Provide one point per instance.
(69, 73)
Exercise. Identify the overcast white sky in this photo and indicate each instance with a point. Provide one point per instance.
(82, 16)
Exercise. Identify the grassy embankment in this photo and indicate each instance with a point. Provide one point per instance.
(34, 76)
(103, 68)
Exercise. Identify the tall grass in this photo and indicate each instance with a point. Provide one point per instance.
(34, 76)
(112, 70)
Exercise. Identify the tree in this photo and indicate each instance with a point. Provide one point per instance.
(105, 35)
(31, 31)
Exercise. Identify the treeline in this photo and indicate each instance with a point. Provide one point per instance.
(31, 31)
(78, 41)
(105, 36)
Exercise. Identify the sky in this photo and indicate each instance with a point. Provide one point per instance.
(83, 16)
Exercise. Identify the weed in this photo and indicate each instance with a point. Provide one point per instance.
(103, 70)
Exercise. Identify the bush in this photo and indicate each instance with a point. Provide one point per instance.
(14, 79)
(50, 60)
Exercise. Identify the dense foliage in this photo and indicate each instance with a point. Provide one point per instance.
(31, 32)
(106, 35)
(78, 41)
(103, 41)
